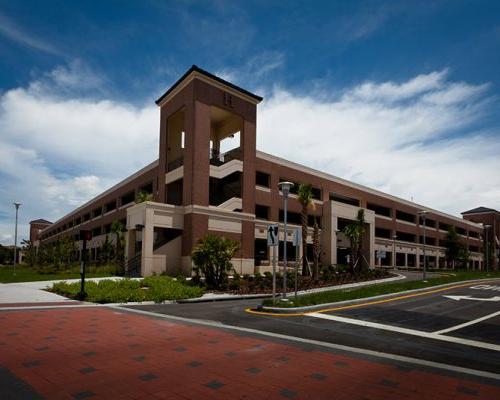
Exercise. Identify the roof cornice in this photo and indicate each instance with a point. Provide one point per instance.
(196, 72)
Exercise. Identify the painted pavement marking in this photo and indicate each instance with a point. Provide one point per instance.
(473, 322)
(429, 335)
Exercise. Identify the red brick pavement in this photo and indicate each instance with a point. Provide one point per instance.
(77, 353)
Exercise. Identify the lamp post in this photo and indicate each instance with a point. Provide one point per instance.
(423, 214)
(394, 263)
(16, 204)
(486, 238)
(285, 189)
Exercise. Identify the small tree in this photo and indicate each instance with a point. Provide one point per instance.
(29, 250)
(453, 246)
(305, 199)
(212, 257)
(355, 232)
(118, 229)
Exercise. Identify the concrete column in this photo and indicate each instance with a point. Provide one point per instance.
(130, 244)
(406, 260)
(147, 244)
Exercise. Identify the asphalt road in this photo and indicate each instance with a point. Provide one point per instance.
(408, 326)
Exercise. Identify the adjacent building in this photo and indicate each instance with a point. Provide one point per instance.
(210, 178)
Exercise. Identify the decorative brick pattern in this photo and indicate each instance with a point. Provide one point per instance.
(238, 366)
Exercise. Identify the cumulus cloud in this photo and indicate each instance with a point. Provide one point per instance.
(57, 150)
(419, 139)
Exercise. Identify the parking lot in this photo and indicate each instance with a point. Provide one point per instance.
(467, 315)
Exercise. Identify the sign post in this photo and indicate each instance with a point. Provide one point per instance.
(297, 240)
(84, 235)
(273, 241)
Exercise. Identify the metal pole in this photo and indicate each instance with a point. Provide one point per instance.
(274, 271)
(297, 260)
(425, 258)
(487, 250)
(15, 237)
(285, 263)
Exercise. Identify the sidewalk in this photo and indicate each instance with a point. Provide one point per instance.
(33, 292)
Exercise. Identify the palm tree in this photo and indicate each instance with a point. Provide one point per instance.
(355, 232)
(118, 229)
(316, 249)
(305, 198)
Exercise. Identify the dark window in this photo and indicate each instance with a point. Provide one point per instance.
(474, 249)
(128, 198)
(147, 188)
(383, 233)
(344, 199)
(406, 237)
(379, 210)
(107, 228)
(428, 240)
(78, 221)
(110, 206)
(404, 216)
(261, 212)
(97, 212)
(96, 231)
(292, 217)
(428, 222)
(86, 217)
(461, 231)
(474, 234)
(174, 192)
(444, 227)
(262, 179)
(311, 218)
(260, 250)
(316, 193)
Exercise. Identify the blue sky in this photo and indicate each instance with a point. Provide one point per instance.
(410, 81)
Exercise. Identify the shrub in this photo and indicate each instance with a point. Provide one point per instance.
(212, 257)
(155, 288)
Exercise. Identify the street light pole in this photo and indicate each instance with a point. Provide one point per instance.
(486, 228)
(394, 263)
(16, 204)
(423, 215)
(285, 189)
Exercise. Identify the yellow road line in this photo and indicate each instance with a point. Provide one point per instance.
(387, 300)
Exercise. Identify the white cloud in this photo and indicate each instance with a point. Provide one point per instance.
(57, 151)
(399, 138)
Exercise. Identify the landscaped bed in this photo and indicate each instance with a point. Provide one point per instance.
(153, 288)
(329, 276)
(332, 296)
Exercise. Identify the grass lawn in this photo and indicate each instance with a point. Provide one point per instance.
(152, 288)
(332, 296)
(26, 274)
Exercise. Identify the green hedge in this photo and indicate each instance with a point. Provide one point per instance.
(153, 288)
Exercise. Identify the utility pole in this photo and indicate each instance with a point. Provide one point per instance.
(16, 204)
(423, 214)
(285, 189)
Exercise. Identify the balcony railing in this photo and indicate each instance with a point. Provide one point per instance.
(217, 158)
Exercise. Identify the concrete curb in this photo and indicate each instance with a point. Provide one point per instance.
(293, 310)
(301, 292)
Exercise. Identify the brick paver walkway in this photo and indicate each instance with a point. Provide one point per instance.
(83, 353)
